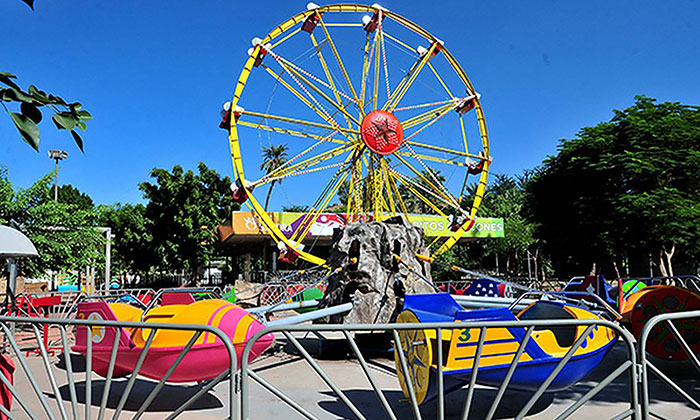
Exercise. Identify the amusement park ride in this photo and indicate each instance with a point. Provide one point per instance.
(379, 119)
(373, 109)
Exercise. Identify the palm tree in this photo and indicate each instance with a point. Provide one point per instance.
(273, 158)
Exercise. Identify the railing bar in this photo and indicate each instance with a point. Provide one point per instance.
(440, 379)
(509, 374)
(25, 367)
(684, 344)
(165, 377)
(406, 375)
(370, 377)
(672, 385)
(69, 372)
(49, 371)
(475, 371)
(550, 378)
(134, 374)
(279, 394)
(623, 415)
(88, 372)
(110, 372)
(17, 396)
(323, 375)
(4, 411)
(593, 391)
(199, 393)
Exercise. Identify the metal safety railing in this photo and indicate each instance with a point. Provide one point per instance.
(362, 411)
(40, 391)
(656, 328)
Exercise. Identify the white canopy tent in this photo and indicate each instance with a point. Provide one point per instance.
(14, 244)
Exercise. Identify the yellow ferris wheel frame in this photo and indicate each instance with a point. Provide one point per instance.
(299, 19)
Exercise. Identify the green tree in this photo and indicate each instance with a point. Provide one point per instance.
(182, 214)
(623, 190)
(273, 158)
(131, 247)
(64, 234)
(71, 195)
(66, 115)
(296, 209)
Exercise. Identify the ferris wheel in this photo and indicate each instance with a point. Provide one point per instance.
(359, 112)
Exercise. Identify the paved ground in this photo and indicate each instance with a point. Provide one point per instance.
(294, 376)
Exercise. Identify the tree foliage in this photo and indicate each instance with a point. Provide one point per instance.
(65, 115)
(274, 157)
(182, 213)
(131, 245)
(70, 195)
(63, 233)
(623, 190)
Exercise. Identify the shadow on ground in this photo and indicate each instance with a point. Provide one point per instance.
(77, 362)
(616, 392)
(170, 398)
(369, 405)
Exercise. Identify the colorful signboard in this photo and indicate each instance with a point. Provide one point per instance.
(245, 223)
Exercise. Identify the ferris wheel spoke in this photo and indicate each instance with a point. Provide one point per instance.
(441, 81)
(321, 113)
(380, 29)
(322, 201)
(355, 186)
(375, 84)
(442, 149)
(328, 76)
(338, 59)
(387, 190)
(464, 134)
(299, 121)
(268, 180)
(401, 43)
(439, 104)
(393, 188)
(403, 87)
(285, 63)
(291, 34)
(366, 62)
(297, 76)
(293, 133)
(414, 187)
(434, 159)
(435, 186)
(429, 116)
(307, 163)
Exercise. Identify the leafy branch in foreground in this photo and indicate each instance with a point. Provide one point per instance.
(66, 116)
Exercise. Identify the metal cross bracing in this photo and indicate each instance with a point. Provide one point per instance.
(331, 112)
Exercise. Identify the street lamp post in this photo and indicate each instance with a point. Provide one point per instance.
(57, 155)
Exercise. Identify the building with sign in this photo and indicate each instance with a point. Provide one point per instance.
(246, 236)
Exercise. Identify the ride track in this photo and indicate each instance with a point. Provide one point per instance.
(374, 152)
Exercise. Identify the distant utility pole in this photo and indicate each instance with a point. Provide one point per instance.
(57, 155)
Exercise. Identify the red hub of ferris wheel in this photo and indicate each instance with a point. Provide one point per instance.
(382, 132)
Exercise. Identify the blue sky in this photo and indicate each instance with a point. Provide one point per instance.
(154, 75)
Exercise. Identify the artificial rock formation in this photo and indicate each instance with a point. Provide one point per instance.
(376, 278)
